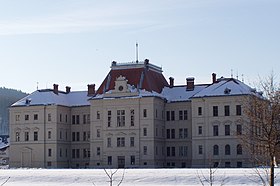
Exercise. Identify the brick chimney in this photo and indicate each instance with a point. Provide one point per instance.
(190, 83)
(68, 89)
(214, 78)
(91, 89)
(55, 88)
(171, 82)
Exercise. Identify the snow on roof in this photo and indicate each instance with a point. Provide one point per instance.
(226, 87)
(48, 97)
(179, 93)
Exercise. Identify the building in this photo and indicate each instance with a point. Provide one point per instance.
(134, 119)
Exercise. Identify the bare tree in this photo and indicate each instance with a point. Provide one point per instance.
(110, 174)
(261, 133)
(5, 181)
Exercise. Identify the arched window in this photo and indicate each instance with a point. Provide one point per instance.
(215, 150)
(227, 150)
(239, 149)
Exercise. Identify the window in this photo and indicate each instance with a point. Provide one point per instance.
(131, 141)
(26, 117)
(168, 151)
(215, 150)
(49, 117)
(120, 118)
(145, 150)
(216, 164)
(238, 110)
(227, 150)
(239, 164)
(98, 133)
(238, 129)
(121, 142)
(88, 135)
(88, 118)
(183, 133)
(17, 117)
(77, 153)
(145, 113)
(98, 151)
(60, 152)
(199, 130)
(60, 134)
(144, 131)
(215, 111)
(49, 134)
(49, 163)
(167, 115)
(168, 133)
(77, 119)
(73, 153)
(200, 149)
(183, 115)
(183, 150)
(172, 151)
(60, 117)
(199, 111)
(132, 117)
(227, 130)
(17, 136)
(109, 142)
(172, 133)
(109, 160)
(215, 130)
(78, 136)
(239, 149)
(66, 118)
(35, 116)
(84, 136)
(227, 164)
(84, 119)
(73, 136)
(180, 115)
(35, 136)
(73, 119)
(132, 160)
(49, 152)
(227, 110)
(97, 114)
(26, 136)
(109, 118)
(172, 115)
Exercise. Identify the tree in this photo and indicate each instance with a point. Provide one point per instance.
(262, 130)
(110, 174)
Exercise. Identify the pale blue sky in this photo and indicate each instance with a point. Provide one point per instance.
(73, 42)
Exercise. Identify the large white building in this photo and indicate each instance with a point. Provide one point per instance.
(134, 119)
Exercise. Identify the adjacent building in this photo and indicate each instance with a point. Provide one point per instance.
(134, 119)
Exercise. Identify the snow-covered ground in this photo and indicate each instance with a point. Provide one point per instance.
(149, 177)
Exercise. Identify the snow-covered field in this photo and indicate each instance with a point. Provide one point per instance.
(82, 177)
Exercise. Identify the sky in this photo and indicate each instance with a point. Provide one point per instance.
(73, 42)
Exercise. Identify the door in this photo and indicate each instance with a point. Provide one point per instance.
(121, 161)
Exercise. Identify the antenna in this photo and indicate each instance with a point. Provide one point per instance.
(37, 85)
(136, 52)
(231, 73)
(242, 78)
(237, 75)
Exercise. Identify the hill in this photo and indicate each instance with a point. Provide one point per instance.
(7, 98)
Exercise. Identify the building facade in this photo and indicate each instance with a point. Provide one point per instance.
(134, 119)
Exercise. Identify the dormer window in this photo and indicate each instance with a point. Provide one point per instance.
(120, 88)
(227, 91)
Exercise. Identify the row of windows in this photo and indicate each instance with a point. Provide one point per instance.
(121, 160)
(227, 130)
(76, 119)
(182, 151)
(35, 117)
(76, 136)
(227, 150)
(170, 115)
(238, 110)
(183, 133)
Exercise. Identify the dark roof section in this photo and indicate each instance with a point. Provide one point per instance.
(142, 75)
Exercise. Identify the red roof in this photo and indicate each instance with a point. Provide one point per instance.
(152, 80)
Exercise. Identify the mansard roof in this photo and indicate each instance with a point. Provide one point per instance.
(48, 97)
(143, 75)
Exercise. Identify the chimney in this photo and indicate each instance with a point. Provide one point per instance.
(91, 89)
(55, 88)
(171, 82)
(68, 89)
(190, 83)
(214, 78)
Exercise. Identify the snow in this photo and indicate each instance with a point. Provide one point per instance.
(48, 97)
(132, 177)
(224, 87)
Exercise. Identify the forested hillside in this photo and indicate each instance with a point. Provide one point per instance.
(7, 98)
